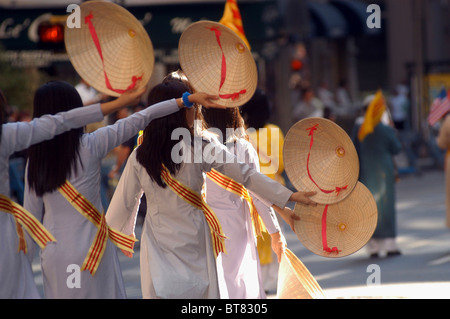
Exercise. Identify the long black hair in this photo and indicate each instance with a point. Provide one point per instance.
(257, 111)
(51, 162)
(156, 148)
(222, 119)
(179, 76)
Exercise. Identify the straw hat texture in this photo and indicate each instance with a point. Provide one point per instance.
(125, 46)
(295, 281)
(217, 61)
(333, 167)
(349, 224)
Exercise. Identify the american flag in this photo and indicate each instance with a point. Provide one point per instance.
(439, 107)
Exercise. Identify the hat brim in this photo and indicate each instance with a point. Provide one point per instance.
(349, 224)
(295, 281)
(125, 45)
(333, 166)
(202, 59)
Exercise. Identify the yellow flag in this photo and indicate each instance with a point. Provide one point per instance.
(232, 19)
(373, 115)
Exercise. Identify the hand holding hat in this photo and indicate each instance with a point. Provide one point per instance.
(319, 155)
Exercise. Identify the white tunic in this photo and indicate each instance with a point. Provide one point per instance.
(177, 259)
(239, 269)
(73, 232)
(16, 276)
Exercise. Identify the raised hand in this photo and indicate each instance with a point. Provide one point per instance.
(206, 100)
(303, 198)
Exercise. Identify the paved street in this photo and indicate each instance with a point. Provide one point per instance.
(421, 272)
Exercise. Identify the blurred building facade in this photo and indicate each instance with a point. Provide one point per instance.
(319, 41)
(411, 47)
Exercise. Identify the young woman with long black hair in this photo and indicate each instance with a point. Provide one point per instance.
(239, 269)
(16, 276)
(181, 236)
(63, 180)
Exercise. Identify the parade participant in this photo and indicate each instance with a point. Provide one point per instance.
(181, 235)
(376, 144)
(63, 178)
(268, 139)
(237, 209)
(16, 276)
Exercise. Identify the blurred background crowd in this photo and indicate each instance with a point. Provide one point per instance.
(314, 58)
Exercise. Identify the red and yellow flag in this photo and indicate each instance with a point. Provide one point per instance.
(232, 19)
(373, 115)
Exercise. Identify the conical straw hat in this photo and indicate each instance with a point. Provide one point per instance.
(333, 167)
(349, 224)
(123, 42)
(295, 281)
(217, 61)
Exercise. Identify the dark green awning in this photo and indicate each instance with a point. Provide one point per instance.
(164, 23)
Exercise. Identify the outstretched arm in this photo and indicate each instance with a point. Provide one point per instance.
(128, 98)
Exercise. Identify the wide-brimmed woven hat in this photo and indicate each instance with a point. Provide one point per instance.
(339, 229)
(320, 156)
(295, 281)
(217, 61)
(111, 50)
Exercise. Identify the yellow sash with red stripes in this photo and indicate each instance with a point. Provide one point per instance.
(196, 200)
(140, 138)
(232, 186)
(25, 219)
(98, 246)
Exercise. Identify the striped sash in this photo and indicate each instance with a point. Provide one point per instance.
(196, 200)
(25, 219)
(98, 246)
(230, 185)
(140, 137)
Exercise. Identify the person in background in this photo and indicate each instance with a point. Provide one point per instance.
(399, 106)
(343, 99)
(114, 162)
(308, 106)
(89, 95)
(443, 142)
(327, 97)
(268, 140)
(376, 144)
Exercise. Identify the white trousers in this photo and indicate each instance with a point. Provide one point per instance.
(376, 245)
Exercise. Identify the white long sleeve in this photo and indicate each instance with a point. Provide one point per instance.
(263, 186)
(18, 136)
(108, 137)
